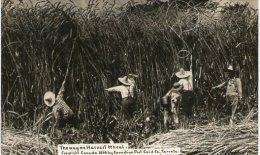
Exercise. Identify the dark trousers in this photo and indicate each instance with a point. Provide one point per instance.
(127, 107)
(70, 121)
(187, 103)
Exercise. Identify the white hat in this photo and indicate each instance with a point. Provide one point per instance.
(49, 98)
(230, 69)
(125, 80)
(183, 74)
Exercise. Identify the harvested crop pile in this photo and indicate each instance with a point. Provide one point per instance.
(21, 143)
(211, 139)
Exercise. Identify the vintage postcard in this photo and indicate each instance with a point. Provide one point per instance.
(118, 77)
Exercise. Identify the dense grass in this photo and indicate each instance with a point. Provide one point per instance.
(37, 42)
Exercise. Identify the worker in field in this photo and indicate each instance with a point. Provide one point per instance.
(170, 103)
(61, 111)
(233, 90)
(127, 93)
(185, 80)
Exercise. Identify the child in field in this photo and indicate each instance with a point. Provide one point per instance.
(170, 109)
(233, 92)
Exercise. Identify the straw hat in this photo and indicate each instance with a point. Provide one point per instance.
(124, 80)
(183, 74)
(177, 86)
(230, 69)
(133, 75)
(49, 98)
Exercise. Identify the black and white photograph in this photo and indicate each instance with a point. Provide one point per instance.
(150, 74)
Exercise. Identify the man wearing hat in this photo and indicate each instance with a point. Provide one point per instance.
(171, 109)
(185, 80)
(233, 92)
(127, 94)
(61, 111)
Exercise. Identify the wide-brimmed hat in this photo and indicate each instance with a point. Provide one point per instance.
(183, 74)
(133, 75)
(177, 86)
(124, 80)
(49, 98)
(230, 69)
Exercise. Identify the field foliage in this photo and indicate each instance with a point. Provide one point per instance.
(153, 43)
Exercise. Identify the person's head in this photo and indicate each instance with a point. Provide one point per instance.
(125, 81)
(49, 98)
(230, 72)
(132, 77)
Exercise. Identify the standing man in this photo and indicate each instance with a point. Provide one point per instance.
(62, 113)
(185, 80)
(127, 94)
(233, 92)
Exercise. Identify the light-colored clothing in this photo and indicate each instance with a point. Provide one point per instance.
(127, 93)
(124, 90)
(175, 99)
(186, 84)
(170, 109)
(234, 87)
(232, 100)
(60, 109)
(175, 96)
(132, 87)
(233, 93)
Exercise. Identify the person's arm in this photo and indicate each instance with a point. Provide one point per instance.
(169, 92)
(239, 88)
(62, 89)
(114, 89)
(180, 82)
(220, 85)
(166, 96)
(57, 116)
(132, 90)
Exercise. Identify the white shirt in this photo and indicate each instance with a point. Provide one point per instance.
(125, 92)
(187, 85)
(175, 96)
